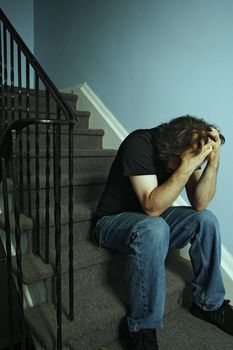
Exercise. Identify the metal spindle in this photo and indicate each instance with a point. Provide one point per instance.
(8, 250)
(20, 136)
(19, 83)
(12, 75)
(5, 75)
(15, 171)
(37, 151)
(71, 205)
(29, 202)
(1, 82)
(47, 185)
(57, 219)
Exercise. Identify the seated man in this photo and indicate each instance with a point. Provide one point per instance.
(136, 217)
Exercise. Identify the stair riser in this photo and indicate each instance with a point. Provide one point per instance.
(80, 141)
(81, 231)
(81, 164)
(109, 332)
(81, 194)
(82, 120)
(42, 103)
(92, 277)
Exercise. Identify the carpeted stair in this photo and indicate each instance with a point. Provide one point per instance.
(100, 289)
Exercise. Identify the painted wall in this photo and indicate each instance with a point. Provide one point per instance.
(148, 61)
(21, 15)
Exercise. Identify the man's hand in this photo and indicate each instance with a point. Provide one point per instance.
(213, 158)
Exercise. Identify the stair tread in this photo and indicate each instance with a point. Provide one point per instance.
(95, 309)
(86, 254)
(77, 153)
(183, 331)
(82, 178)
(82, 212)
(33, 268)
(90, 314)
(77, 131)
(26, 223)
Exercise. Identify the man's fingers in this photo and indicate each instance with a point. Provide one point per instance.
(214, 134)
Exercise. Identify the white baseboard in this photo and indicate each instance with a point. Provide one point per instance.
(101, 117)
(115, 133)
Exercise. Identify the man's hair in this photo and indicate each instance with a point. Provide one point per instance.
(182, 133)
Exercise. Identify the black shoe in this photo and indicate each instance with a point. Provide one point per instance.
(145, 339)
(222, 317)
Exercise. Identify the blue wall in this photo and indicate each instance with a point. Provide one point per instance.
(21, 15)
(148, 61)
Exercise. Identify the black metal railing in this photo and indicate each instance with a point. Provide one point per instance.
(31, 107)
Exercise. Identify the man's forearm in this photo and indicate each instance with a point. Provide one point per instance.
(205, 188)
(163, 196)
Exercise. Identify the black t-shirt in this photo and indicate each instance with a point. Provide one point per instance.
(137, 155)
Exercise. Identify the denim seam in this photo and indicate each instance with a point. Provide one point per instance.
(142, 287)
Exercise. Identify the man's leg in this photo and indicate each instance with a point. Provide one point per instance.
(201, 229)
(146, 240)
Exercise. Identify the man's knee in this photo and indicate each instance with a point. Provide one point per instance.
(206, 217)
(153, 231)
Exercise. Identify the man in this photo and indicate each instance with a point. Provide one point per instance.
(136, 217)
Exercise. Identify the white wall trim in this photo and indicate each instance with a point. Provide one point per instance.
(112, 121)
(101, 116)
(115, 134)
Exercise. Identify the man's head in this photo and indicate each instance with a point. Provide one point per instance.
(183, 133)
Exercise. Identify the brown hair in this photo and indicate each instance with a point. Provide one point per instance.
(176, 136)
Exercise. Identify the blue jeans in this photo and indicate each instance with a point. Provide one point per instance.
(146, 240)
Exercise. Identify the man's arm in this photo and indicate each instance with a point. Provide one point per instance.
(202, 186)
(156, 199)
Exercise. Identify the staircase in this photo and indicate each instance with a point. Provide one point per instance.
(72, 293)
(100, 291)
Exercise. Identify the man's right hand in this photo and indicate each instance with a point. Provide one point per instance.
(190, 162)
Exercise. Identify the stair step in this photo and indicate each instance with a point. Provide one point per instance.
(84, 189)
(82, 212)
(98, 313)
(81, 116)
(85, 160)
(70, 99)
(184, 331)
(33, 268)
(26, 223)
(94, 310)
(83, 138)
(80, 179)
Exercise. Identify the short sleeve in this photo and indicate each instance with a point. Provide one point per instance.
(137, 156)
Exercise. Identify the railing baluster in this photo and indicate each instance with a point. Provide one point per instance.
(20, 136)
(1, 86)
(37, 155)
(19, 60)
(27, 89)
(15, 171)
(5, 75)
(12, 74)
(71, 201)
(29, 204)
(47, 185)
(8, 251)
(57, 219)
